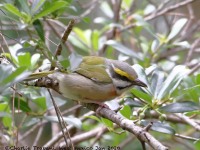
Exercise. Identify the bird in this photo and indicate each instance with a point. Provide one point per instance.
(95, 80)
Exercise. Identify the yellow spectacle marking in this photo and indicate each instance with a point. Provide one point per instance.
(122, 73)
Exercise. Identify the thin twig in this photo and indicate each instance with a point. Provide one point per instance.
(62, 123)
(191, 51)
(63, 39)
(189, 121)
(56, 138)
(186, 137)
(113, 32)
(39, 133)
(162, 12)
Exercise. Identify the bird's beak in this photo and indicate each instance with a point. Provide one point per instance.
(139, 83)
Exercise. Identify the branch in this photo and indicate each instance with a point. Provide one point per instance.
(125, 124)
(159, 13)
(128, 125)
(189, 121)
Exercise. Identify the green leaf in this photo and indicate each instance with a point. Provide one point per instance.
(143, 77)
(81, 35)
(141, 95)
(159, 127)
(93, 117)
(180, 107)
(157, 82)
(177, 27)
(107, 123)
(18, 75)
(95, 40)
(197, 145)
(198, 79)
(123, 49)
(24, 6)
(36, 5)
(5, 71)
(132, 103)
(41, 102)
(24, 60)
(126, 111)
(54, 6)
(7, 120)
(86, 19)
(172, 81)
(39, 28)
(65, 63)
(22, 105)
(13, 10)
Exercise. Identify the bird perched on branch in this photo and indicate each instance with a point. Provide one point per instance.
(94, 80)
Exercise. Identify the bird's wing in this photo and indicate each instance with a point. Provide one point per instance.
(94, 68)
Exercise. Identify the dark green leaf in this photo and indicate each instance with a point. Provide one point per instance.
(133, 103)
(141, 95)
(22, 105)
(180, 107)
(39, 28)
(126, 111)
(54, 6)
(160, 127)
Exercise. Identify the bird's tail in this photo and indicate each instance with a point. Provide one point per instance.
(38, 75)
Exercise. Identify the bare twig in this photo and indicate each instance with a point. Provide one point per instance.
(168, 9)
(191, 51)
(62, 124)
(160, 13)
(186, 137)
(63, 39)
(56, 138)
(87, 135)
(113, 32)
(39, 133)
(189, 121)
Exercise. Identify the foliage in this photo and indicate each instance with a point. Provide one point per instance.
(162, 47)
